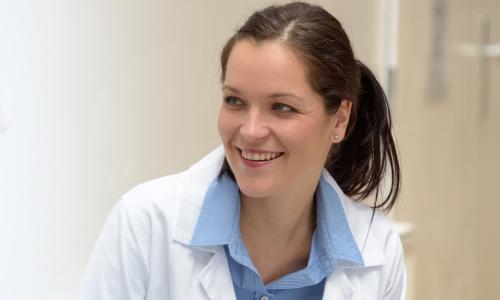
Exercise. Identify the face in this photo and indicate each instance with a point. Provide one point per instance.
(274, 127)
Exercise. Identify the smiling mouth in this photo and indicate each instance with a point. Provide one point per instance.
(259, 156)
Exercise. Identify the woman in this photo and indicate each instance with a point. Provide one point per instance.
(274, 213)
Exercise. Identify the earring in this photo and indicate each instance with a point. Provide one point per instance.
(336, 137)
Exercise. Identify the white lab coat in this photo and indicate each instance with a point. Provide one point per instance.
(143, 253)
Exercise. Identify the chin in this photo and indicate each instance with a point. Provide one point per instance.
(255, 188)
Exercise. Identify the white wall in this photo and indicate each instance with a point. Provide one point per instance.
(95, 97)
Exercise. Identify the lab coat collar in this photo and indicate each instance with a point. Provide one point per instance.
(193, 188)
(199, 177)
(215, 277)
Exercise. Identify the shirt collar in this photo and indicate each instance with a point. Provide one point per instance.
(333, 242)
(219, 215)
(333, 238)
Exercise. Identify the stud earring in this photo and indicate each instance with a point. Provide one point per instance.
(336, 137)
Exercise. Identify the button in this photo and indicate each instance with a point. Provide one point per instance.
(264, 298)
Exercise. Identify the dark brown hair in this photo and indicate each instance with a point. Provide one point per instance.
(359, 162)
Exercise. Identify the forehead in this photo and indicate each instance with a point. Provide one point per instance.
(266, 66)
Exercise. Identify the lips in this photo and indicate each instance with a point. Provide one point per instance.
(257, 155)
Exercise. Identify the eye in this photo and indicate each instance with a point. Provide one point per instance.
(232, 100)
(280, 107)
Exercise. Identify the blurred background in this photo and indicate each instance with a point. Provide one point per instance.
(98, 96)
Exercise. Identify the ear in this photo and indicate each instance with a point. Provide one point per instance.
(340, 120)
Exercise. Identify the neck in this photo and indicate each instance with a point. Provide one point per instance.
(284, 220)
(278, 230)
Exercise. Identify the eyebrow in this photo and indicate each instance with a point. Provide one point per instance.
(232, 89)
(273, 95)
(279, 95)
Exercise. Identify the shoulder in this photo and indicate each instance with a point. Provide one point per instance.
(172, 203)
(383, 271)
(365, 221)
(153, 194)
(373, 231)
(152, 201)
(381, 248)
(123, 259)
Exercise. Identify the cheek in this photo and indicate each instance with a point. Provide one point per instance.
(221, 127)
(309, 140)
(225, 125)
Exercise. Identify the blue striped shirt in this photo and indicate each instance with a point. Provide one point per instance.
(332, 242)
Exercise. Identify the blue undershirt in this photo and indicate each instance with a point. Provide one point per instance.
(332, 242)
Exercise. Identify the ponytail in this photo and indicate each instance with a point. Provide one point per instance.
(358, 164)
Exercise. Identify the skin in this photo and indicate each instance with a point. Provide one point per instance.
(270, 106)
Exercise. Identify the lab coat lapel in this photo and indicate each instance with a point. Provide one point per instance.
(338, 287)
(215, 277)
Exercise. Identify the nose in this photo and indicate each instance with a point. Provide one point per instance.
(254, 126)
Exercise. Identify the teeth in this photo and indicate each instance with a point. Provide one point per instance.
(260, 156)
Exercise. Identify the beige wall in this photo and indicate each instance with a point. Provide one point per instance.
(450, 152)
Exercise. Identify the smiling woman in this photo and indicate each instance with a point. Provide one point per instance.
(270, 108)
(276, 212)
